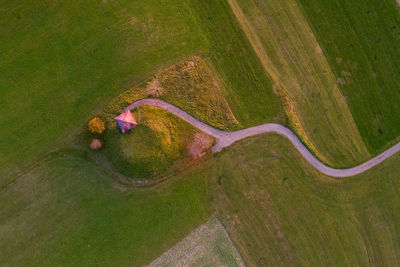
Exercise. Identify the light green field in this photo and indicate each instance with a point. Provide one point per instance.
(208, 245)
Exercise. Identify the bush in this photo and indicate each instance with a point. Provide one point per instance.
(96, 125)
(96, 144)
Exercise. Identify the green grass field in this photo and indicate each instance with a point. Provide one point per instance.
(61, 63)
(272, 203)
(62, 60)
(360, 39)
(290, 53)
(280, 211)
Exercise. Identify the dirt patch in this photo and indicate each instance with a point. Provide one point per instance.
(345, 73)
(276, 154)
(96, 144)
(341, 81)
(153, 88)
(275, 89)
(133, 20)
(319, 50)
(201, 143)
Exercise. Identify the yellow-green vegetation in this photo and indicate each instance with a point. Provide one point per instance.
(192, 86)
(161, 141)
(158, 143)
(290, 53)
(96, 125)
(208, 245)
(189, 85)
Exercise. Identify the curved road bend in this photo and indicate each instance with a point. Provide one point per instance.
(226, 138)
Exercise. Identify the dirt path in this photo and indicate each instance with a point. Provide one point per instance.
(225, 138)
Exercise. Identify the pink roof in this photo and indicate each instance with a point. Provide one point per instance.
(125, 121)
(126, 117)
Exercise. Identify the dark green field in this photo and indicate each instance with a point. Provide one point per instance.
(62, 62)
(362, 42)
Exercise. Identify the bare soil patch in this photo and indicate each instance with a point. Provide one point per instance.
(201, 142)
(96, 144)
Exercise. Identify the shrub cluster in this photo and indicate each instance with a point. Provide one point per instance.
(96, 125)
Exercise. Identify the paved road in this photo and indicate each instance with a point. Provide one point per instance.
(225, 138)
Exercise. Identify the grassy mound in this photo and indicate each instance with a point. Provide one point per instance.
(159, 142)
(80, 216)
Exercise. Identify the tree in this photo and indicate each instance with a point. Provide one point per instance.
(96, 125)
(96, 144)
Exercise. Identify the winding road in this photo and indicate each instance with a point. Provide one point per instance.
(226, 138)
